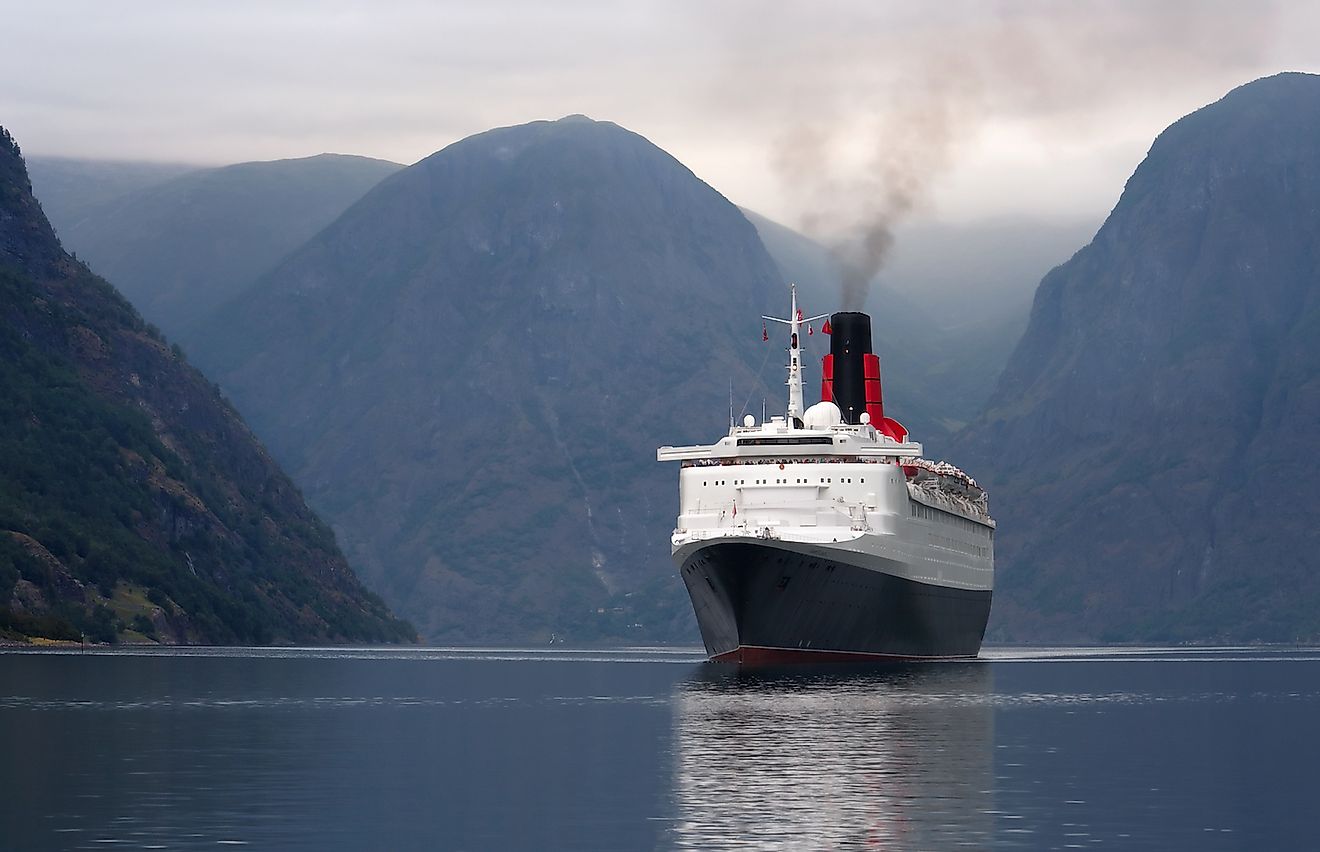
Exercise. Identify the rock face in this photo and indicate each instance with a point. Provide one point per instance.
(1151, 446)
(133, 500)
(470, 370)
(181, 247)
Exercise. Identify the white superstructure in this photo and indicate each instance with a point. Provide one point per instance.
(809, 482)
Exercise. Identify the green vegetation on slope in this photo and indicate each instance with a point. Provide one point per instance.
(133, 502)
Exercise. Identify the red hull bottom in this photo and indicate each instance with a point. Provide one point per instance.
(756, 655)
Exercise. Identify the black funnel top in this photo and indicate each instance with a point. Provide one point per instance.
(850, 339)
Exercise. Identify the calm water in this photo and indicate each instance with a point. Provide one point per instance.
(433, 749)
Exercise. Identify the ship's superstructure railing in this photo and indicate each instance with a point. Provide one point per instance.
(774, 439)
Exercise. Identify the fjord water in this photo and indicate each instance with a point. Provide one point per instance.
(443, 749)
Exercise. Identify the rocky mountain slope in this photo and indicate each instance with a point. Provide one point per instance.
(134, 503)
(1151, 445)
(470, 370)
(179, 247)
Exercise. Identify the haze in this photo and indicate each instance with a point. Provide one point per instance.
(808, 114)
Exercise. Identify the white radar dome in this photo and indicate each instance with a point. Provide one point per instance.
(749, 421)
(822, 415)
(865, 418)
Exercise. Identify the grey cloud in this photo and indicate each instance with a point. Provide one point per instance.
(856, 107)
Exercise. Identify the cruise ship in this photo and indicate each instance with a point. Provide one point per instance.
(823, 534)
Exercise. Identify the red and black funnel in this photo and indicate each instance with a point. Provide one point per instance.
(850, 374)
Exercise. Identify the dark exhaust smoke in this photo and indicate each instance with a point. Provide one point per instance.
(882, 109)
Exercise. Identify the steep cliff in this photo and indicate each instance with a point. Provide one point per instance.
(134, 503)
(1151, 445)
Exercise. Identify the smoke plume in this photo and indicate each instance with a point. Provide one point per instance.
(854, 211)
(887, 115)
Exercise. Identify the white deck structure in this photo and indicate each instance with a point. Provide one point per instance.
(831, 488)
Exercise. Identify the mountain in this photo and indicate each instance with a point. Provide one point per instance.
(133, 500)
(180, 247)
(470, 370)
(1150, 448)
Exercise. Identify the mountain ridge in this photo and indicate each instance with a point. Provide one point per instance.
(68, 187)
(180, 247)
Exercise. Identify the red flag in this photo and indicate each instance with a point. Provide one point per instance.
(765, 334)
(825, 329)
(799, 315)
(810, 331)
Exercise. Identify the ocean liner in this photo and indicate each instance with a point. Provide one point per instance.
(823, 534)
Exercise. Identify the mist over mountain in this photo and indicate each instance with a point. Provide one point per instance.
(179, 247)
(1150, 447)
(134, 503)
(470, 370)
(967, 275)
(69, 188)
(938, 370)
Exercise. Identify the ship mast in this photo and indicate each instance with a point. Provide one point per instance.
(794, 323)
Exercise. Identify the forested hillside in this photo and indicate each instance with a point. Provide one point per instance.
(134, 502)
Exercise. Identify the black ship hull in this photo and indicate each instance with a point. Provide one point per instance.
(760, 603)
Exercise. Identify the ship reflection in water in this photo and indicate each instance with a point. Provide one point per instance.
(894, 758)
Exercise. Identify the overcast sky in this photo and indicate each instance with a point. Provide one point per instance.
(971, 110)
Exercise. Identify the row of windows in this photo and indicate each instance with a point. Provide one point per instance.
(776, 442)
(929, 513)
(962, 547)
(743, 460)
(824, 480)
